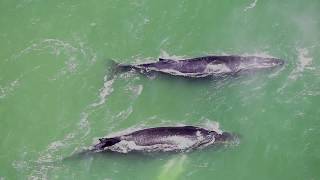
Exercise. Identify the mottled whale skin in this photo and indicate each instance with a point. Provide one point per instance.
(207, 66)
(182, 138)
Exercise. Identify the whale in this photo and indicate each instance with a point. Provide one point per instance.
(206, 66)
(164, 139)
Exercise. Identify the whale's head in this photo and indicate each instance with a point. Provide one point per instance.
(254, 63)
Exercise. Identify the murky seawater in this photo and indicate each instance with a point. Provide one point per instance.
(57, 97)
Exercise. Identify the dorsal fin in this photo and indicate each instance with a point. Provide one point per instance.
(189, 126)
(165, 60)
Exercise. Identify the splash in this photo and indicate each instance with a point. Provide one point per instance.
(166, 55)
(211, 125)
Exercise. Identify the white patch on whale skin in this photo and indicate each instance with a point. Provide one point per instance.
(124, 146)
(180, 141)
(217, 69)
(127, 146)
(175, 143)
(200, 136)
(210, 69)
(177, 73)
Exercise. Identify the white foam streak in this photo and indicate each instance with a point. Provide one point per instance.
(105, 91)
(9, 88)
(304, 59)
(136, 90)
(53, 150)
(56, 47)
(304, 62)
(6, 90)
(252, 5)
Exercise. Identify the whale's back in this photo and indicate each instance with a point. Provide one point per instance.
(166, 135)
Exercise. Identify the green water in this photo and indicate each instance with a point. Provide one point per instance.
(56, 99)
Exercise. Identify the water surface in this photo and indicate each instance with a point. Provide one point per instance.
(56, 96)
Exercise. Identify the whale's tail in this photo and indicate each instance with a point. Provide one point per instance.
(105, 142)
(115, 68)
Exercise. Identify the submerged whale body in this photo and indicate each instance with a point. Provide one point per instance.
(181, 138)
(206, 66)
